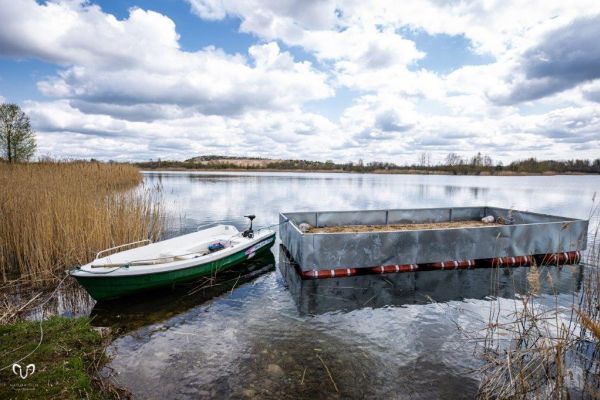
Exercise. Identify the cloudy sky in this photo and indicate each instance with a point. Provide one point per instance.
(316, 79)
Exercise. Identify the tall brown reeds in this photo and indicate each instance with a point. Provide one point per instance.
(56, 215)
(537, 351)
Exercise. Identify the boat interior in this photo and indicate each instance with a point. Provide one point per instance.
(193, 245)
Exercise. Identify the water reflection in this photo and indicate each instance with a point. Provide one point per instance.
(251, 343)
(397, 289)
(158, 305)
(381, 336)
(70, 300)
(377, 336)
(195, 198)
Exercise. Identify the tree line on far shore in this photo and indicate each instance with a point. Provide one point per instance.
(453, 163)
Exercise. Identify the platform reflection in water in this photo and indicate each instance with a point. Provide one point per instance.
(151, 307)
(317, 296)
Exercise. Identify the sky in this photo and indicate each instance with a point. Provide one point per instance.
(380, 80)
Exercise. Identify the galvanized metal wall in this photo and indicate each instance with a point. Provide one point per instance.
(531, 233)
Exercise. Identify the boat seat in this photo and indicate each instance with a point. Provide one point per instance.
(182, 254)
(170, 254)
(201, 248)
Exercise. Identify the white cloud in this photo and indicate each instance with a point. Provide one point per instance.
(492, 26)
(361, 35)
(591, 91)
(76, 32)
(255, 133)
(209, 80)
(138, 61)
(126, 89)
(271, 15)
(322, 28)
(563, 58)
(379, 118)
(209, 9)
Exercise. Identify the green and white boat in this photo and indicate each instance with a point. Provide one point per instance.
(180, 259)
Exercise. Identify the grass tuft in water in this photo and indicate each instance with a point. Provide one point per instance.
(542, 351)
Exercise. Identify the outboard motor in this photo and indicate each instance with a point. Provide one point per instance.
(249, 233)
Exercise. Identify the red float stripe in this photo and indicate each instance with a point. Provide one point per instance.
(459, 264)
(518, 261)
(328, 273)
(395, 268)
(572, 257)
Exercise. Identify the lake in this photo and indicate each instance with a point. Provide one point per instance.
(258, 331)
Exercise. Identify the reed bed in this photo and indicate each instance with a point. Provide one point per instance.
(537, 351)
(56, 215)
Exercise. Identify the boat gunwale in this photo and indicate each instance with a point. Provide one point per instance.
(174, 266)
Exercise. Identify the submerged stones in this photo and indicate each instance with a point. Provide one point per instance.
(275, 370)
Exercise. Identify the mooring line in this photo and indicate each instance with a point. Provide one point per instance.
(274, 225)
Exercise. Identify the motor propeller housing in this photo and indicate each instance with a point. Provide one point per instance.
(249, 233)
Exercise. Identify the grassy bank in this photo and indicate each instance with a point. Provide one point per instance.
(58, 215)
(66, 362)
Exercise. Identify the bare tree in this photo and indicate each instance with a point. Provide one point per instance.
(17, 138)
(453, 159)
(487, 161)
(424, 160)
(477, 160)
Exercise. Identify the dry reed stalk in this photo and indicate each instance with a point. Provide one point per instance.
(590, 324)
(537, 353)
(56, 215)
(329, 373)
(9, 311)
(533, 278)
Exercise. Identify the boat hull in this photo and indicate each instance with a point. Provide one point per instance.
(110, 287)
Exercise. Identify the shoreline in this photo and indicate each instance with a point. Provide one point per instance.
(376, 172)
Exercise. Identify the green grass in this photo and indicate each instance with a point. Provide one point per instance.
(66, 362)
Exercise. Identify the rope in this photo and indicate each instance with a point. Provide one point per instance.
(103, 273)
(41, 327)
(271, 226)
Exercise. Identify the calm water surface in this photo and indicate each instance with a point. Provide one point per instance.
(259, 331)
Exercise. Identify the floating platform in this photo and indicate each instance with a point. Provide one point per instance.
(317, 296)
(345, 243)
